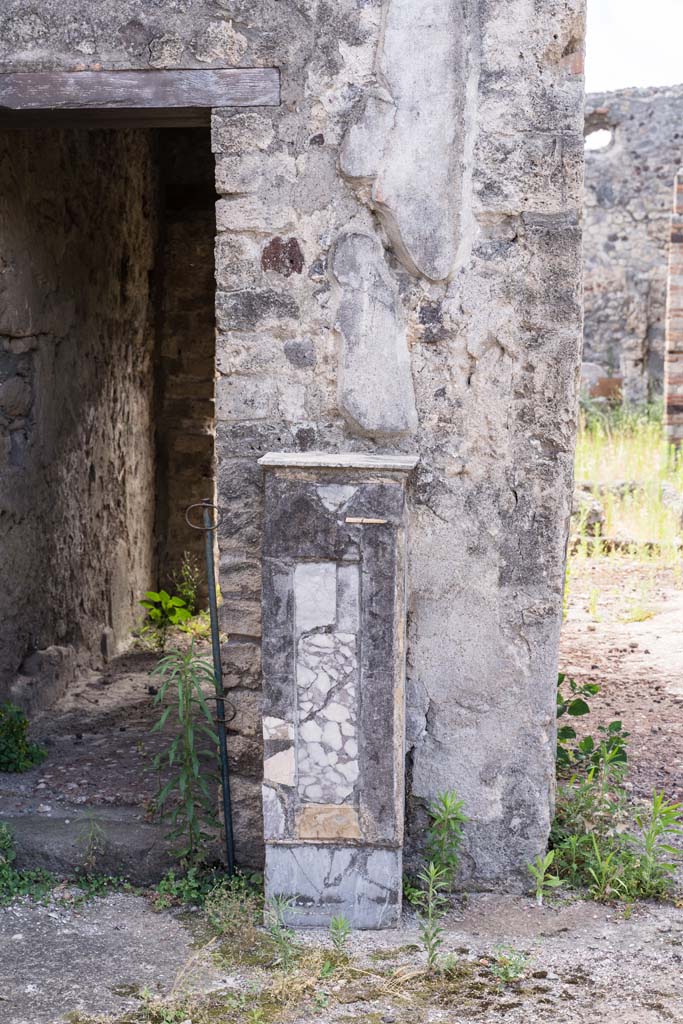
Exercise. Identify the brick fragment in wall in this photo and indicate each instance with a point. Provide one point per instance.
(283, 255)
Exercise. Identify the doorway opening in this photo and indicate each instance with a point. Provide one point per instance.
(107, 353)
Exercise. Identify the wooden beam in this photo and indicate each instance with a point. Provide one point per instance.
(171, 117)
(27, 91)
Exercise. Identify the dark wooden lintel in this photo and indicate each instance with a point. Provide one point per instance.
(142, 97)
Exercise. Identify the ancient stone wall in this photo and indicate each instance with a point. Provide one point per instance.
(629, 184)
(76, 381)
(398, 270)
(427, 298)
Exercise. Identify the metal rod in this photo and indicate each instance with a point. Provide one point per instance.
(209, 528)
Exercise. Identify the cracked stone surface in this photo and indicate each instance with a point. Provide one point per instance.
(362, 884)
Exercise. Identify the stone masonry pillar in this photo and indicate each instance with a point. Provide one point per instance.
(673, 358)
(334, 566)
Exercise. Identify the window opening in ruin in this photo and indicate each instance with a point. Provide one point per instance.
(106, 387)
(599, 139)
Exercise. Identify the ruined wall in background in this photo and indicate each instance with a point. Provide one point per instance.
(626, 233)
(398, 270)
(76, 346)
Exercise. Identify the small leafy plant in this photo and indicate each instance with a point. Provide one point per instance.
(234, 908)
(163, 612)
(187, 581)
(432, 904)
(509, 964)
(340, 929)
(444, 836)
(601, 846)
(186, 800)
(587, 752)
(93, 841)
(445, 832)
(17, 754)
(540, 872)
(190, 888)
(651, 849)
(286, 950)
(13, 883)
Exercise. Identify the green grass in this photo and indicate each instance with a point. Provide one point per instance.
(626, 444)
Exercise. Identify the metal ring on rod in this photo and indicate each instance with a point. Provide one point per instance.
(204, 505)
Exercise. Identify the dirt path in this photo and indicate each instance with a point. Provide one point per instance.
(638, 664)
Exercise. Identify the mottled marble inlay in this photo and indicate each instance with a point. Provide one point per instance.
(327, 749)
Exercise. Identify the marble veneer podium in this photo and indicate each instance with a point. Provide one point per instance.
(334, 567)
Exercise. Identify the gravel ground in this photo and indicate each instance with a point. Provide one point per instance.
(639, 665)
(587, 963)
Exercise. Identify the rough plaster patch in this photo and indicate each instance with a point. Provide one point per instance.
(375, 387)
(407, 140)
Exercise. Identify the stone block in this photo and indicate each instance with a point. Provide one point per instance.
(323, 881)
(253, 307)
(237, 261)
(254, 213)
(240, 132)
(253, 173)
